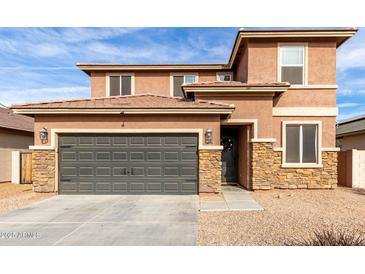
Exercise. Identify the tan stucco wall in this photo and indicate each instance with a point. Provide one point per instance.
(98, 84)
(129, 122)
(5, 164)
(241, 71)
(156, 82)
(322, 63)
(353, 142)
(11, 140)
(306, 98)
(248, 107)
(328, 129)
(263, 60)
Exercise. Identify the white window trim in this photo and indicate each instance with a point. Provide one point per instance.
(180, 74)
(119, 74)
(230, 73)
(305, 70)
(319, 145)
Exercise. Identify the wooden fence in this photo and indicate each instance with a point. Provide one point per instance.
(26, 167)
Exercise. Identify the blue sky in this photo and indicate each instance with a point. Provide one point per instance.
(38, 64)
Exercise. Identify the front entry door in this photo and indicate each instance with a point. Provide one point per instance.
(229, 141)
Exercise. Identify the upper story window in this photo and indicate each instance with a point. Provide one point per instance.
(292, 64)
(301, 143)
(120, 85)
(180, 79)
(224, 76)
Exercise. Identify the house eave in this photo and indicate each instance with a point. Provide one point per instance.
(88, 67)
(240, 90)
(124, 111)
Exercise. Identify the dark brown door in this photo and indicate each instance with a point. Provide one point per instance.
(229, 140)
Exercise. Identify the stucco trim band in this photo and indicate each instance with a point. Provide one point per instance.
(55, 131)
(305, 111)
(254, 122)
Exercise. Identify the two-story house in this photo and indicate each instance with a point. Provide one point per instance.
(264, 120)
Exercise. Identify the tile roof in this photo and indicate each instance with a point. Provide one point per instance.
(235, 84)
(143, 101)
(10, 120)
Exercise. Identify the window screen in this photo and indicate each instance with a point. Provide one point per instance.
(178, 81)
(114, 85)
(293, 75)
(126, 85)
(292, 64)
(309, 143)
(292, 144)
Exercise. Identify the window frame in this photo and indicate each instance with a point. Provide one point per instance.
(120, 75)
(225, 73)
(305, 62)
(318, 163)
(196, 74)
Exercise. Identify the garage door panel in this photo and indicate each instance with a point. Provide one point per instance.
(86, 141)
(128, 164)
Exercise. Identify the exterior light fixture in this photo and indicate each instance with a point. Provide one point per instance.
(43, 135)
(209, 136)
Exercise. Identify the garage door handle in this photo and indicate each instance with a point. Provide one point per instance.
(66, 146)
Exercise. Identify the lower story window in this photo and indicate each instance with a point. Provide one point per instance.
(301, 144)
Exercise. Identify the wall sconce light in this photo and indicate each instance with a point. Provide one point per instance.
(43, 135)
(209, 136)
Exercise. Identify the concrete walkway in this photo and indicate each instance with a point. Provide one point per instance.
(234, 199)
(103, 220)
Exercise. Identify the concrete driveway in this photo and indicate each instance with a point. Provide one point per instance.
(103, 220)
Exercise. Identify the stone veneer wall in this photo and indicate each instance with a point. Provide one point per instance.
(267, 173)
(43, 170)
(210, 171)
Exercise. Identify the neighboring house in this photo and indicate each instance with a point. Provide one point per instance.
(266, 119)
(16, 133)
(350, 138)
(350, 133)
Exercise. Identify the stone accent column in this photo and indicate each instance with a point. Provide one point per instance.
(261, 165)
(267, 173)
(210, 171)
(43, 170)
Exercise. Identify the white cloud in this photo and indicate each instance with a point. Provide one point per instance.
(17, 96)
(347, 105)
(352, 54)
(350, 92)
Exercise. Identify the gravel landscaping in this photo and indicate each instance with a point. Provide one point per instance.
(288, 215)
(14, 196)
